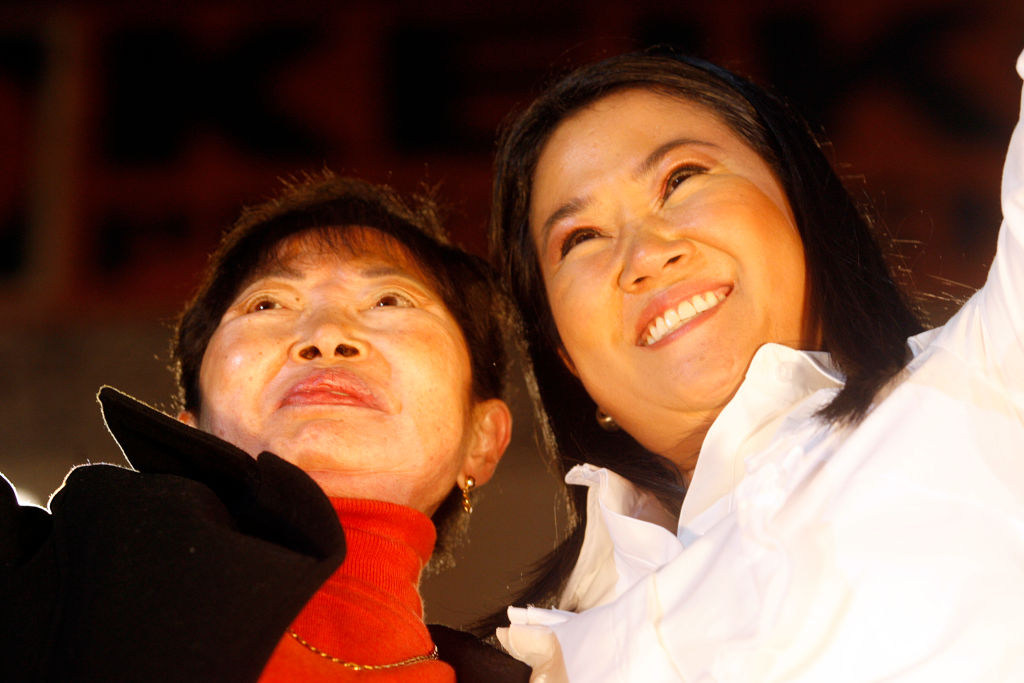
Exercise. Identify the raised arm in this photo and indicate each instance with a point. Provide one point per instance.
(998, 308)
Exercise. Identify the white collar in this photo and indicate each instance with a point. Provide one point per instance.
(778, 378)
(628, 534)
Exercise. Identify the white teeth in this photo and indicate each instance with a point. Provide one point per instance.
(675, 318)
(660, 326)
(671, 318)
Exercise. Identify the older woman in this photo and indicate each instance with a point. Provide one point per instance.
(691, 270)
(341, 371)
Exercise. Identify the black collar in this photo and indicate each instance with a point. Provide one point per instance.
(265, 493)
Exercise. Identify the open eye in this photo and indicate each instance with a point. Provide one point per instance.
(679, 175)
(575, 237)
(396, 299)
(262, 304)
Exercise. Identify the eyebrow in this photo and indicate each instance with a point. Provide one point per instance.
(285, 272)
(655, 157)
(386, 270)
(570, 208)
(577, 204)
(276, 269)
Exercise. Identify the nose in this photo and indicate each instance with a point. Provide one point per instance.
(342, 350)
(650, 253)
(330, 336)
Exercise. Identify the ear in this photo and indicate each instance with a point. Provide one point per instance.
(491, 431)
(568, 361)
(189, 418)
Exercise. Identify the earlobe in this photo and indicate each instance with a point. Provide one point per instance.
(492, 430)
(188, 418)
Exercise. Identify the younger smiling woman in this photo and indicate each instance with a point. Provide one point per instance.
(623, 300)
(690, 269)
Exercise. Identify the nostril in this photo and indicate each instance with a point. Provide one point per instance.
(309, 353)
(673, 259)
(345, 350)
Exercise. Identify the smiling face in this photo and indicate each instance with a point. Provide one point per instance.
(669, 254)
(350, 366)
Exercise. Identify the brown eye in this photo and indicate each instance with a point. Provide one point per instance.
(576, 237)
(263, 305)
(679, 175)
(393, 299)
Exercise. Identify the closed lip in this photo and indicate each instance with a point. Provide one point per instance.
(333, 386)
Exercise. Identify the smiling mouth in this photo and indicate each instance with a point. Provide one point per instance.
(674, 318)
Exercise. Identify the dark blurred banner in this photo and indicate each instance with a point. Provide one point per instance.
(132, 134)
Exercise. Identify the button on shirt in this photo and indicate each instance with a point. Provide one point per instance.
(804, 551)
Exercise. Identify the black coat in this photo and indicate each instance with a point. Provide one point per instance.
(188, 568)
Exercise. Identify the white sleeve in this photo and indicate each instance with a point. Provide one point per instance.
(989, 331)
(1008, 269)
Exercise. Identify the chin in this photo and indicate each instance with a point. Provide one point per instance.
(713, 383)
(328, 453)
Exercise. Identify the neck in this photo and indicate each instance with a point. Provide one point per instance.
(685, 450)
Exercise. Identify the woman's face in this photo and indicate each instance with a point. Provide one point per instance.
(670, 254)
(351, 368)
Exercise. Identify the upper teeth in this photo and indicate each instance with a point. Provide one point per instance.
(674, 318)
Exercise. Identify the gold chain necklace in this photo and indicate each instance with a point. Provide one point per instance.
(363, 667)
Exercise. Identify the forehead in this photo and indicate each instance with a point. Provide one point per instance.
(622, 137)
(636, 118)
(294, 254)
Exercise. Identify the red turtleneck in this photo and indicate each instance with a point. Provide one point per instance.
(369, 611)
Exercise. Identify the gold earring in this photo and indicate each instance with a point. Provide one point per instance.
(467, 504)
(606, 421)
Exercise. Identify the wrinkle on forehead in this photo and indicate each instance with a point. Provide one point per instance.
(289, 257)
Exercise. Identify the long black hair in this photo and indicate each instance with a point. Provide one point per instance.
(863, 316)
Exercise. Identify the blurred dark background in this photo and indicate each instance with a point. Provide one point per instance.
(131, 133)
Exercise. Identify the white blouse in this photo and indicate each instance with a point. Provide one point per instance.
(804, 552)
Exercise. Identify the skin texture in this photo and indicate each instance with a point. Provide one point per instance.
(350, 367)
(641, 201)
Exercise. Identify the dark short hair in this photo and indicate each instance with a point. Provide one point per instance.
(326, 208)
(863, 317)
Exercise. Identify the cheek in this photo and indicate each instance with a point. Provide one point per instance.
(231, 367)
(798, 312)
(222, 366)
(574, 302)
(794, 277)
(786, 265)
(784, 278)
(589, 320)
(430, 366)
